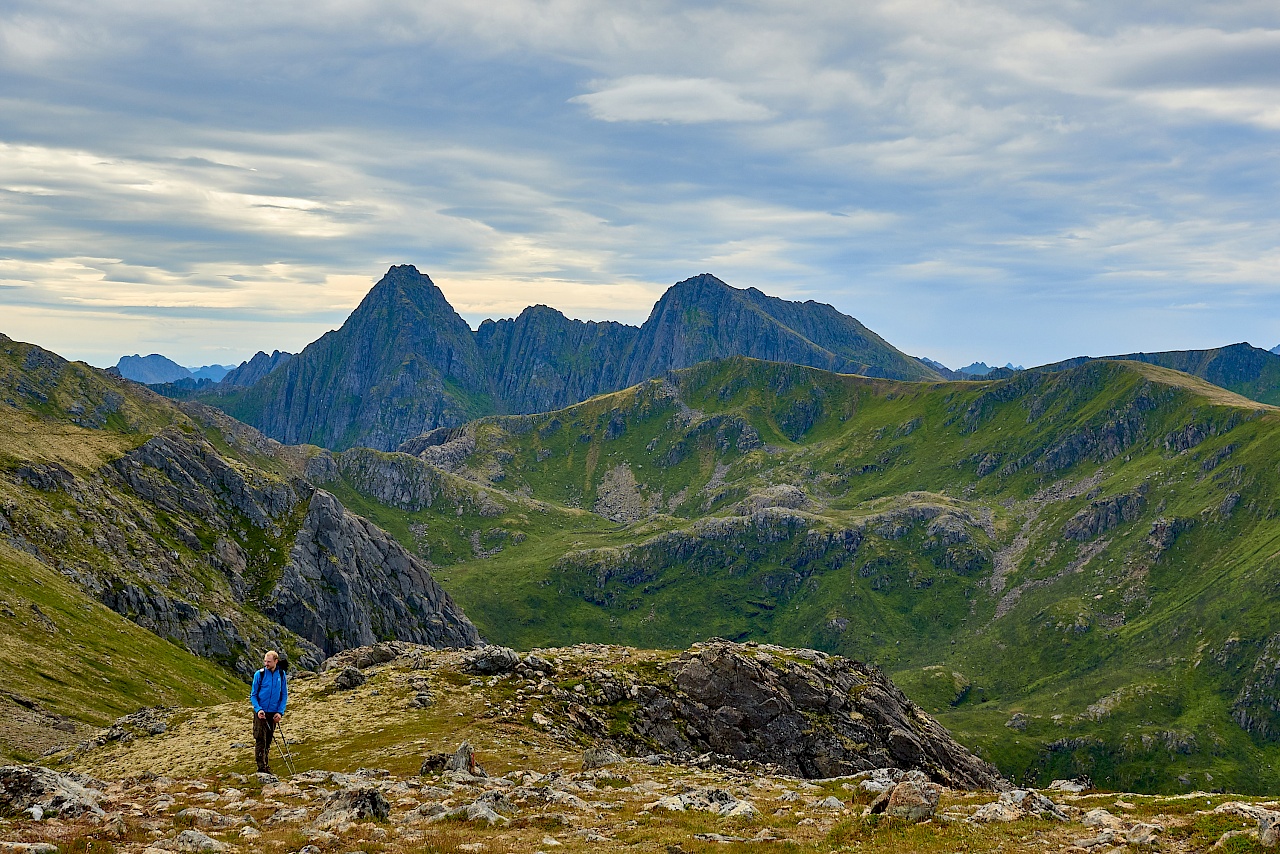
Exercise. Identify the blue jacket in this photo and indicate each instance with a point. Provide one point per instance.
(270, 692)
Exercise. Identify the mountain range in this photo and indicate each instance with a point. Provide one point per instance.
(405, 361)
(157, 369)
(1070, 566)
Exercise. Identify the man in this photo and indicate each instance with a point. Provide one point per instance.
(269, 695)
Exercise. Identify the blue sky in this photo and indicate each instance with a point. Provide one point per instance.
(1020, 181)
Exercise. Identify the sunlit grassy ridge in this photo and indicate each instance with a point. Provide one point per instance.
(1093, 549)
(72, 532)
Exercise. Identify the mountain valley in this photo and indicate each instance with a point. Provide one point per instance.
(1070, 567)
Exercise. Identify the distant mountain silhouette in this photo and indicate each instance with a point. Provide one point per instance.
(151, 369)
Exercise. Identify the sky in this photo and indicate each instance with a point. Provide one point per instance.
(1019, 181)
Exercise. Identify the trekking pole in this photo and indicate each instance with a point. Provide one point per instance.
(283, 744)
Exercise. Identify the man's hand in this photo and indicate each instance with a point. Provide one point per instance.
(276, 717)
(262, 715)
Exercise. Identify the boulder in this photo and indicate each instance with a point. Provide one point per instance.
(491, 661)
(599, 757)
(195, 842)
(349, 678)
(913, 800)
(204, 818)
(463, 761)
(23, 787)
(498, 802)
(354, 804)
(1269, 830)
(1018, 804)
(716, 801)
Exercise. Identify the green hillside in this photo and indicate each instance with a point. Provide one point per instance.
(1086, 556)
(188, 525)
(72, 665)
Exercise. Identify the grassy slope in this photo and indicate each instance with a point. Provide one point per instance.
(1170, 636)
(78, 659)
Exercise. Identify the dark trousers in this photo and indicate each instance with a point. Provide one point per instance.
(264, 729)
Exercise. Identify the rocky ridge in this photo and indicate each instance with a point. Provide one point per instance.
(467, 770)
(222, 548)
(405, 362)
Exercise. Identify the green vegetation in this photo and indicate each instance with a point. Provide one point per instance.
(1089, 548)
(75, 658)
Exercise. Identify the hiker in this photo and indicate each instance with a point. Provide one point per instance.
(269, 695)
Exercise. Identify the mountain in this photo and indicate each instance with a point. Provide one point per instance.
(982, 369)
(405, 362)
(1070, 569)
(1247, 370)
(249, 372)
(542, 360)
(703, 318)
(212, 372)
(194, 526)
(151, 369)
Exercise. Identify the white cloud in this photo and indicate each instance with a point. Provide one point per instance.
(669, 100)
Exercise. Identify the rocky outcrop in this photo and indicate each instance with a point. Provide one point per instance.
(348, 583)
(32, 788)
(1104, 514)
(811, 714)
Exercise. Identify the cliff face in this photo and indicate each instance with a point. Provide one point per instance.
(349, 584)
(255, 369)
(542, 360)
(196, 527)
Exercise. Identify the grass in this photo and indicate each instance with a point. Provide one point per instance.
(78, 659)
(883, 459)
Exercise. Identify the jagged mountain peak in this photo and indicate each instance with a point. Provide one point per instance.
(403, 287)
(405, 361)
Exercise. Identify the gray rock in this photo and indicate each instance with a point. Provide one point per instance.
(463, 761)
(383, 588)
(498, 802)
(354, 804)
(205, 818)
(599, 757)
(491, 660)
(195, 842)
(1269, 829)
(811, 714)
(23, 787)
(349, 678)
(913, 800)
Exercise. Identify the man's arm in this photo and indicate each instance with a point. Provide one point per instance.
(253, 692)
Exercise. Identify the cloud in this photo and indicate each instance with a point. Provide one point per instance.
(1019, 171)
(669, 100)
